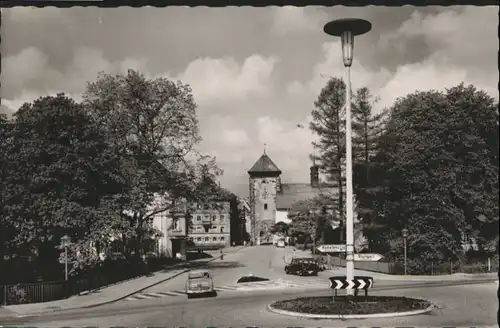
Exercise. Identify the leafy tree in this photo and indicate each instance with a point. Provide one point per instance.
(311, 217)
(7, 231)
(280, 228)
(437, 172)
(328, 123)
(153, 127)
(63, 180)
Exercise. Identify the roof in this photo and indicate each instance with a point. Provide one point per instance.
(264, 165)
(293, 192)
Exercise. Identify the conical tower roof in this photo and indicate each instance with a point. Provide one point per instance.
(264, 165)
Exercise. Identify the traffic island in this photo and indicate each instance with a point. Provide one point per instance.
(351, 307)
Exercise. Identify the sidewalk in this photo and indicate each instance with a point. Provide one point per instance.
(383, 276)
(107, 294)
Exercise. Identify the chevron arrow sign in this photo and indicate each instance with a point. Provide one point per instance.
(358, 283)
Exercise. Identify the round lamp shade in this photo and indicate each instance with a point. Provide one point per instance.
(356, 26)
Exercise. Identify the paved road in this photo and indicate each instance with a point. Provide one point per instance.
(466, 305)
(460, 305)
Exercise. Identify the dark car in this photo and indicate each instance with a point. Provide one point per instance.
(303, 267)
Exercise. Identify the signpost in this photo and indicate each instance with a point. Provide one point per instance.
(332, 248)
(372, 257)
(359, 282)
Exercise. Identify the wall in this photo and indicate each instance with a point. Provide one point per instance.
(171, 228)
(263, 192)
(218, 221)
(282, 216)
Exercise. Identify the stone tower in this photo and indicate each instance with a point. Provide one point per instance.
(264, 183)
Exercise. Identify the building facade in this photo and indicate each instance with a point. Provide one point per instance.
(173, 228)
(271, 199)
(265, 184)
(209, 225)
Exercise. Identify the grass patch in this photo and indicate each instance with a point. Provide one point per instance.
(351, 305)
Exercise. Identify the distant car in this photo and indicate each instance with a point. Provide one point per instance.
(200, 283)
(280, 244)
(303, 267)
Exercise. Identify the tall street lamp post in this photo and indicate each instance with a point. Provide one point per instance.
(346, 29)
(65, 243)
(405, 236)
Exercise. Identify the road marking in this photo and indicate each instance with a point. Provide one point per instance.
(143, 296)
(178, 292)
(171, 293)
(226, 288)
(155, 295)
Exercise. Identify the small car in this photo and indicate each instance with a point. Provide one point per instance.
(280, 244)
(303, 267)
(199, 283)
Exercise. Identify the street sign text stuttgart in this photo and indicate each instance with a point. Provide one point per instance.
(332, 248)
(367, 257)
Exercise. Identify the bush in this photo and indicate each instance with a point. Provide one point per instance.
(16, 295)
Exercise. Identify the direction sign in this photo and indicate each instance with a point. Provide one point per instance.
(368, 257)
(357, 283)
(332, 248)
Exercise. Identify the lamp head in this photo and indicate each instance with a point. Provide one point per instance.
(346, 29)
(405, 232)
(65, 240)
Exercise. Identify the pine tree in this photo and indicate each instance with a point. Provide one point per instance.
(367, 129)
(329, 125)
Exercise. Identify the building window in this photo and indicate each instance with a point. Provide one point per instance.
(221, 238)
(265, 207)
(222, 218)
(207, 239)
(221, 229)
(198, 218)
(214, 238)
(198, 239)
(214, 227)
(176, 224)
(214, 217)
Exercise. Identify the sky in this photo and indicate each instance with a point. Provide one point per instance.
(255, 72)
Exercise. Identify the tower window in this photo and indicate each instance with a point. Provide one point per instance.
(265, 207)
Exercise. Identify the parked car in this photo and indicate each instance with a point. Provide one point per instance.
(280, 243)
(199, 283)
(303, 267)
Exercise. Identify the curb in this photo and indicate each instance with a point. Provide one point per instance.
(152, 285)
(128, 295)
(350, 316)
(144, 288)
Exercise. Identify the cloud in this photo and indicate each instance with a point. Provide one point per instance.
(223, 79)
(30, 14)
(253, 82)
(288, 144)
(289, 20)
(451, 62)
